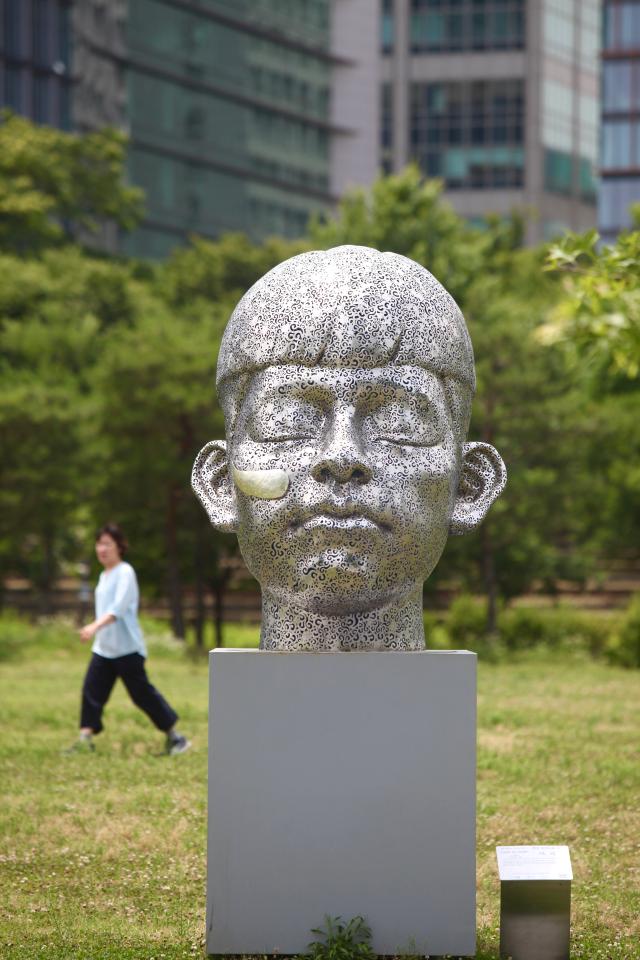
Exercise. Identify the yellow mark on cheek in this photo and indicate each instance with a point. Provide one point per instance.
(266, 484)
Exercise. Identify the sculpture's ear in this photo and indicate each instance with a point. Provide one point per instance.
(213, 487)
(482, 479)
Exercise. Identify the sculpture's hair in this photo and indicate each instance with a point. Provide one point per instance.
(348, 307)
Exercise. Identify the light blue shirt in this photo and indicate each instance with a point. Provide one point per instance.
(117, 593)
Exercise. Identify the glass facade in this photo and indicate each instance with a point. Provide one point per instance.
(570, 103)
(35, 59)
(387, 26)
(616, 196)
(620, 145)
(386, 127)
(229, 117)
(621, 86)
(622, 25)
(560, 28)
(450, 25)
(500, 95)
(470, 134)
(306, 21)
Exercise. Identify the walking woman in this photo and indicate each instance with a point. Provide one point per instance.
(118, 648)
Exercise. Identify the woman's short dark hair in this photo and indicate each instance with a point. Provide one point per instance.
(114, 531)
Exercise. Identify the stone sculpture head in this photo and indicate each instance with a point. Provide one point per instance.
(346, 378)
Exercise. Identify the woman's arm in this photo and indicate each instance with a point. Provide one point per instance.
(124, 595)
(87, 633)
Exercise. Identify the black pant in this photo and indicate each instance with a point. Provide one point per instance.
(101, 675)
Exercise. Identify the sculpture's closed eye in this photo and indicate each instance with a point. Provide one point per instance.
(293, 421)
(405, 424)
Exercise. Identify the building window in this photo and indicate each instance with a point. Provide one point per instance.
(558, 171)
(65, 107)
(64, 36)
(13, 88)
(194, 124)
(40, 33)
(12, 24)
(560, 30)
(470, 134)
(622, 26)
(387, 27)
(616, 196)
(40, 91)
(621, 86)
(587, 180)
(386, 127)
(619, 138)
(568, 174)
(447, 25)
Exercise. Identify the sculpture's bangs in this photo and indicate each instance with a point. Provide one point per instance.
(341, 335)
(346, 307)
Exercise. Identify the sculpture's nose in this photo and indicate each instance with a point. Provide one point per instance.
(342, 457)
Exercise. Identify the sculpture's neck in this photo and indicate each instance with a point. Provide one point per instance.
(397, 626)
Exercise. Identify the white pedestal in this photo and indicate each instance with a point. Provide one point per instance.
(341, 784)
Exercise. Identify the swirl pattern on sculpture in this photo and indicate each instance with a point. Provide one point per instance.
(349, 374)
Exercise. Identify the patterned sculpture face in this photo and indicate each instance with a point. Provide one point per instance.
(346, 378)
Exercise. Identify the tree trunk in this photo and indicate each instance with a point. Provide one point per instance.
(174, 585)
(489, 578)
(218, 586)
(200, 609)
(488, 555)
(48, 570)
(173, 567)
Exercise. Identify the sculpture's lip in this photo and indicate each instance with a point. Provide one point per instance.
(325, 521)
(337, 517)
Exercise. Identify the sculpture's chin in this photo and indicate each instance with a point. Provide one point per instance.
(341, 583)
(339, 579)
(338, 571)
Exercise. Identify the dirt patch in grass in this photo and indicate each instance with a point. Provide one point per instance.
(497, 740)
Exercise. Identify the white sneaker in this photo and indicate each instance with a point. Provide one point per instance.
(179, 745)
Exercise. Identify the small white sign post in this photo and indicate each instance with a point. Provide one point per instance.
(535, 902)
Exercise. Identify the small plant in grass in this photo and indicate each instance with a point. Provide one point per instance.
(341, 940)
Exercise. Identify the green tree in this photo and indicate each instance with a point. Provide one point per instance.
(598, 318)
(529, 407)
(107, 394)
(53, 183)
(406, 214)
(219, 272)
(49, 334)
(199, 285)
(155, 389)
(56, 302)
(596, 326)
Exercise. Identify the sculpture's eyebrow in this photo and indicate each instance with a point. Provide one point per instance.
(393, 386)
(299, 386)
(297, 389)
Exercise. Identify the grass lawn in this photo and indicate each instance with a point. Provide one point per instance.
(103, 855)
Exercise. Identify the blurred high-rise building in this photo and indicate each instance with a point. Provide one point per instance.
(620, 162)
(35, 60)
(227, 104)
(500, 99)
(253, 115)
